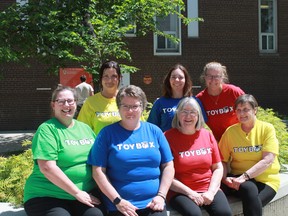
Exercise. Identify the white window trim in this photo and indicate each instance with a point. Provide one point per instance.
(192, 12)
(178, 53)
(275, 19)
(131, 34)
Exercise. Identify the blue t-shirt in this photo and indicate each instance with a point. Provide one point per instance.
(163, 111)
(132, 160)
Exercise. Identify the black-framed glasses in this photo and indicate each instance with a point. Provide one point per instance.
(62, 102)
(215, 77)
(131, 107)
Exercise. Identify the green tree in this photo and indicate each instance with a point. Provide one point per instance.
(85, 32)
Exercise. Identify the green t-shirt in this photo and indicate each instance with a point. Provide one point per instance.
(69, 147)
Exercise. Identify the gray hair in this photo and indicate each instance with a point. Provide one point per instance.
(246, 98)
(193, 102)
(131, 91)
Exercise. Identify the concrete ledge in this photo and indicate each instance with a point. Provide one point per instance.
(276, 207)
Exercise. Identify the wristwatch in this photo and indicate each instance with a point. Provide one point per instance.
(117, 200)
(246, 176)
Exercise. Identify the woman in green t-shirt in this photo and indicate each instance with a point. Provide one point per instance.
(61, 182)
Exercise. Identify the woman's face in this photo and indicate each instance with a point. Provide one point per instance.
(110, 79)
(245, 113)
(188, 117)
(213, 79)
(177, 80)
(130, 109)
(64, 106)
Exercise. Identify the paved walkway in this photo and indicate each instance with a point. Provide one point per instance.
(11, 141)
(7, 210)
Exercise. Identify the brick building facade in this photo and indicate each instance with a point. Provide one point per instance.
(229, 34)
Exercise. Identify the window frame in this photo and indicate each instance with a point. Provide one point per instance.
(169, 51)
(272, 35)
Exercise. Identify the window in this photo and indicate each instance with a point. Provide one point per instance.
(22, 2)
(267, 26)
(170, 25)
(131, 32)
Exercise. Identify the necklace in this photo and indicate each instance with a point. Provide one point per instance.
(215, 94)
(214, 98)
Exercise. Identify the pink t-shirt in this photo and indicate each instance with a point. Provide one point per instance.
(193, 157)
(219, 109)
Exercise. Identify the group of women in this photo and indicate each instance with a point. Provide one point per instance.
(116, 164)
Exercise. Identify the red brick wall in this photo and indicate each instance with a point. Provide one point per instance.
(229, 35)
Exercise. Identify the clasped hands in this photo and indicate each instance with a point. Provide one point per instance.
(234, 182)
(202, 198)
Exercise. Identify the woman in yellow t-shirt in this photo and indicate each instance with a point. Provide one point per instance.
(250, 150)
(101, 109)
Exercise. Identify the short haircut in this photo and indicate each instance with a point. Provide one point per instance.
(131, 91)
(83, 78)
(246, 98)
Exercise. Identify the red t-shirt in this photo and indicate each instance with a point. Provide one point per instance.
(219, 109)
(193, 157)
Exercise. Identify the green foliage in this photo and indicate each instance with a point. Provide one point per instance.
(14, 171)
(270, 116)
(58, 32)
(146, 112)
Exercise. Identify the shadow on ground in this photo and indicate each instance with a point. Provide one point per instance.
(11, 143)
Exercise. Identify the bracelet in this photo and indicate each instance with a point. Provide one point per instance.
(247, 177)
(161, 195)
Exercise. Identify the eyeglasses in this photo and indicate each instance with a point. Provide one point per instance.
(62, 102)
(188, 112)
(246, 110)
(211, 77)
(132, 107)
(113, 77)
(177, 77)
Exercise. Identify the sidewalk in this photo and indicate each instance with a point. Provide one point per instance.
(11, 141)
(7, 210)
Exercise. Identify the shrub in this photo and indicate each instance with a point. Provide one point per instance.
(14, 171)
(270, 116)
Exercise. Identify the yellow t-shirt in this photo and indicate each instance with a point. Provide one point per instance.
(246, 150)
(98, 112)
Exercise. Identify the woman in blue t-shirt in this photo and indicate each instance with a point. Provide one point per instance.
(132, 162)
(177, 84)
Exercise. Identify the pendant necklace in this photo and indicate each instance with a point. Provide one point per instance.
(215, 100)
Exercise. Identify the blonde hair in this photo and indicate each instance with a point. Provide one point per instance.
(215, 66)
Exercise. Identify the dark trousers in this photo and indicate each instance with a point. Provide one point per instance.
(254, 196)
(48, 206)
(142, 212)
(187, 207)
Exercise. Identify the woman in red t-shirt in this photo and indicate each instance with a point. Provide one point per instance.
(197, 163)
(218, 98)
